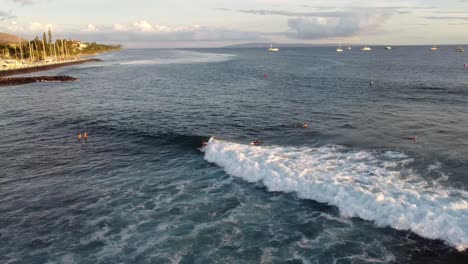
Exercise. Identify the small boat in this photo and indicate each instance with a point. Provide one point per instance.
(388, 48)
(434, 48)
(339, 49)
(273, 49)
(366, 48)
(460, 49)
(349, 47)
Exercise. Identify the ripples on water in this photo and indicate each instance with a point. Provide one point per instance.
(139, 191)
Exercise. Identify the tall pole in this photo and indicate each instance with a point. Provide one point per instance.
(53, 48)
(21, 48)
(44, 49)
(31, 56)
(37, 50)
(63, 50)
(66, 50)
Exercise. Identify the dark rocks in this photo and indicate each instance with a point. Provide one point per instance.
(5, 73)
(25, 80)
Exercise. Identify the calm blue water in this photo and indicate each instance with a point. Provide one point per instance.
(352, 188)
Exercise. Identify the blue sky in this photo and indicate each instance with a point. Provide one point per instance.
(206, 23)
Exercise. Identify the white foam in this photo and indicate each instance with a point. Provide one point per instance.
(357, 182)
(184, 57)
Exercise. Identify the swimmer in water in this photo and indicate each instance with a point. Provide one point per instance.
(256, 143)
(305, 125)
(371, 83)
(413, 138)
(204, 143)
(79, 136)
(265, 75)
(85, 136)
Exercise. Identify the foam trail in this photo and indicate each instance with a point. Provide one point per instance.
(360, 183)
(184, 57)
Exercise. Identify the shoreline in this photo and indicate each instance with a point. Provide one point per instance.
(25, 80)
(10, 72)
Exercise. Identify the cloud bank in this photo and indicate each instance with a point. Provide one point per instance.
(344, 24)
(5, 15)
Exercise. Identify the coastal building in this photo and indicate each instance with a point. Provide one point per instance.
(77, 44)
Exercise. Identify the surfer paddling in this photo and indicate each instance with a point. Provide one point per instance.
(413, 138)
(303, 125)
(256, 143)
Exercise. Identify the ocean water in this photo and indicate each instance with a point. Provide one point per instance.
(351, 188)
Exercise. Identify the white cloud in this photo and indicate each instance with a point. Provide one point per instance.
(143, 26)
(91, 28)
(14, 27)
(36, 27)
(347, 24)
(119, 27)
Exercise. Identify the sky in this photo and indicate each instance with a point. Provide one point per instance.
(215, 23)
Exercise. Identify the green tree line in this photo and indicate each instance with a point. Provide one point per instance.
(45, 48)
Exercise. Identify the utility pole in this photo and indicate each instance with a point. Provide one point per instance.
(44, 49)
(21, 48)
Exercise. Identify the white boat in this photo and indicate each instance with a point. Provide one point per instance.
(339, 49)
(388, 48)
(460, 49)
(273, 49)
(434, 48)
(366, 48)
(349, 47)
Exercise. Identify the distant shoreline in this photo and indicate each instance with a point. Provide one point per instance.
(10, 72)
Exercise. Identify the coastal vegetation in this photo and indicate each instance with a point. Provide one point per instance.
(19, 56)
(46, 49)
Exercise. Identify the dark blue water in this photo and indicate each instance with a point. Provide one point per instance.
(352, 188)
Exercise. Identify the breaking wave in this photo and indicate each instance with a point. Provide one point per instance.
(376, 187)
(184, 57)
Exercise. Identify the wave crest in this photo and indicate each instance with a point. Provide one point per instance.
(184, 57)
(360, 183)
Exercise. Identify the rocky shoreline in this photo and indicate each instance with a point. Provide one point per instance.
(4, 73)
(25, 80)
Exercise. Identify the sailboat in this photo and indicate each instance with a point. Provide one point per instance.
(273, 49)
(339, 49)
